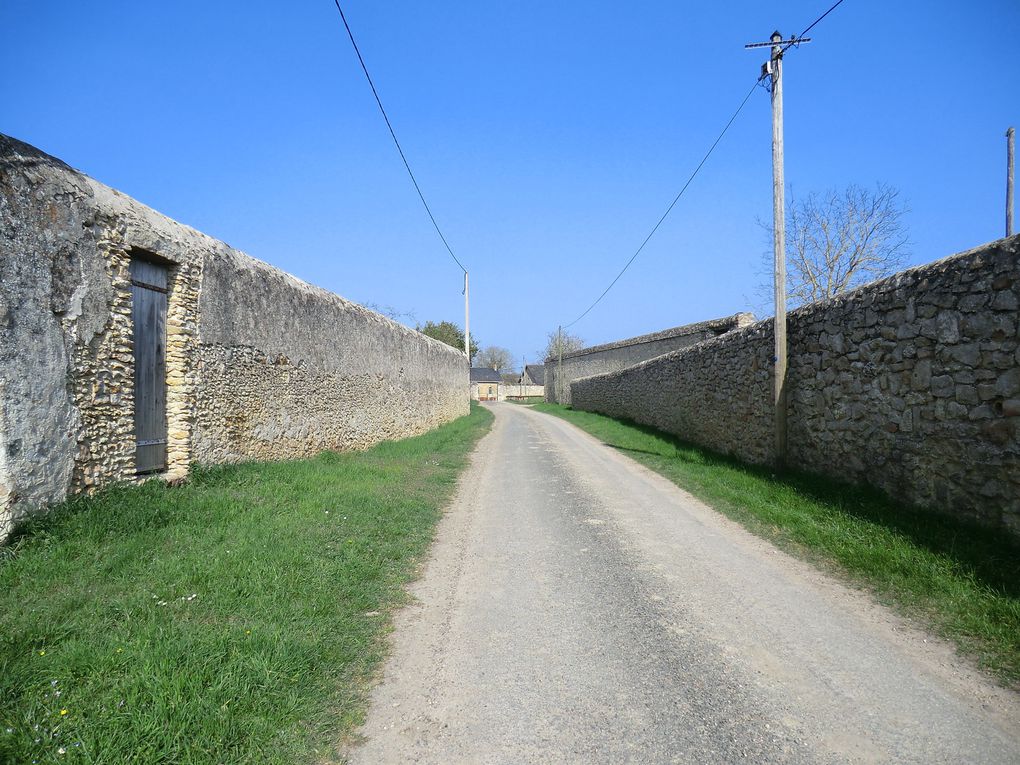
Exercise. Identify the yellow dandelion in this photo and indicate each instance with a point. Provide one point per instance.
(63, 712)
(120, 650)
(42, 653)
(247, 632)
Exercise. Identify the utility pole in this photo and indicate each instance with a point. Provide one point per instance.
(779, 246)
(1010, 136)
(467, 321)
(773, 69)
(559, 369)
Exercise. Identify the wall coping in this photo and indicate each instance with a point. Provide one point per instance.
(862, 292)
(723, 325)
(152, 230)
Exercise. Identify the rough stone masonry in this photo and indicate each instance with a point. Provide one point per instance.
(258, 365)
(911, 384)
(612, 357)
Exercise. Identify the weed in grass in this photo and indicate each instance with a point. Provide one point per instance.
(234, 618)
(961, 579)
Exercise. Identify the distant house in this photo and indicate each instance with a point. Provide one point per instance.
(486, 384)
(534, 374)
(530, 383)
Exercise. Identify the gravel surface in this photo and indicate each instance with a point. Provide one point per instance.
(579, 608)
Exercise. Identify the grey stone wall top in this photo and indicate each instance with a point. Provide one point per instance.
(865, 294)
(914, 277)
(712, 325)
(154, 232)
(143, 227)
(248, 302)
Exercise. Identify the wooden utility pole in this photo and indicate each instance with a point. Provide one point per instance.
(779, 246)
(1010, 140)
(773, 69)
(467, 321)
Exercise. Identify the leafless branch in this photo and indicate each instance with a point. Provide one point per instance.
(838, 240)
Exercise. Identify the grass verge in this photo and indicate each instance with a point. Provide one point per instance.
(960, 579)
(525, 399)
(237, 618)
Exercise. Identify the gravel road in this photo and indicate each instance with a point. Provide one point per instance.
(578, 608)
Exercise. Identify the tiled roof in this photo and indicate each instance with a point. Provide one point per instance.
(484, 374)
(536, 372)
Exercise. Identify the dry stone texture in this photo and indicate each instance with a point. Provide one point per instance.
(911, 384)
(259, 365)
(291, 369)
(612, 357)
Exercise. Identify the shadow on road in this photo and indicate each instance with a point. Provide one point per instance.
(988, 555)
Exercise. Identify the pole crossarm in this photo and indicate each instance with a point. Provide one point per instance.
(793, 41)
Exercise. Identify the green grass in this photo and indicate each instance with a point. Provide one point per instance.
(237, 618)
(959, 579)
(526, 400)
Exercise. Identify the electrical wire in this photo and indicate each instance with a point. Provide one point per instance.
(813, 23)
(668, 209)
(393, 135)
(812, 26)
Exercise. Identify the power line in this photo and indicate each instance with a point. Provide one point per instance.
(800, 38)
(668, 209)
(394, 136)
(793, 41)
(813, 23)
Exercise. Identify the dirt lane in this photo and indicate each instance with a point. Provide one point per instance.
(579, 608)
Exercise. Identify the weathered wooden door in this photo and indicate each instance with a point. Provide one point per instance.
(148, 313)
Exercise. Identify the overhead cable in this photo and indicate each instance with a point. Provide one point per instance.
(793, 41)
(668, 209)
(394, 136)
(813, 23)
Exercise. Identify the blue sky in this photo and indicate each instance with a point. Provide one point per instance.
(547, 137)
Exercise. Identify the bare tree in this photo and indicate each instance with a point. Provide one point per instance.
(569, 342)
(837, 240)
(403, 317)
(495, 358)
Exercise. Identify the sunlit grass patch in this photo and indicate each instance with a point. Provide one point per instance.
(961, 579)
(235, 618)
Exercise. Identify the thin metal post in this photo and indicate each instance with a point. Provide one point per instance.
(467, 321)
(1010, 140)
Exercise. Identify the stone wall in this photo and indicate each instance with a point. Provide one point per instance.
(259, 364)
(288, 369)
(911, 384)
(515, 390)
(611, 357)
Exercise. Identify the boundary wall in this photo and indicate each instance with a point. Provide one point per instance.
(611, 357)
(910, 384)
(259, 365)
(519, 390)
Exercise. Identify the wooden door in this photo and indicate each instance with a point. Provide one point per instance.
(148, 313)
